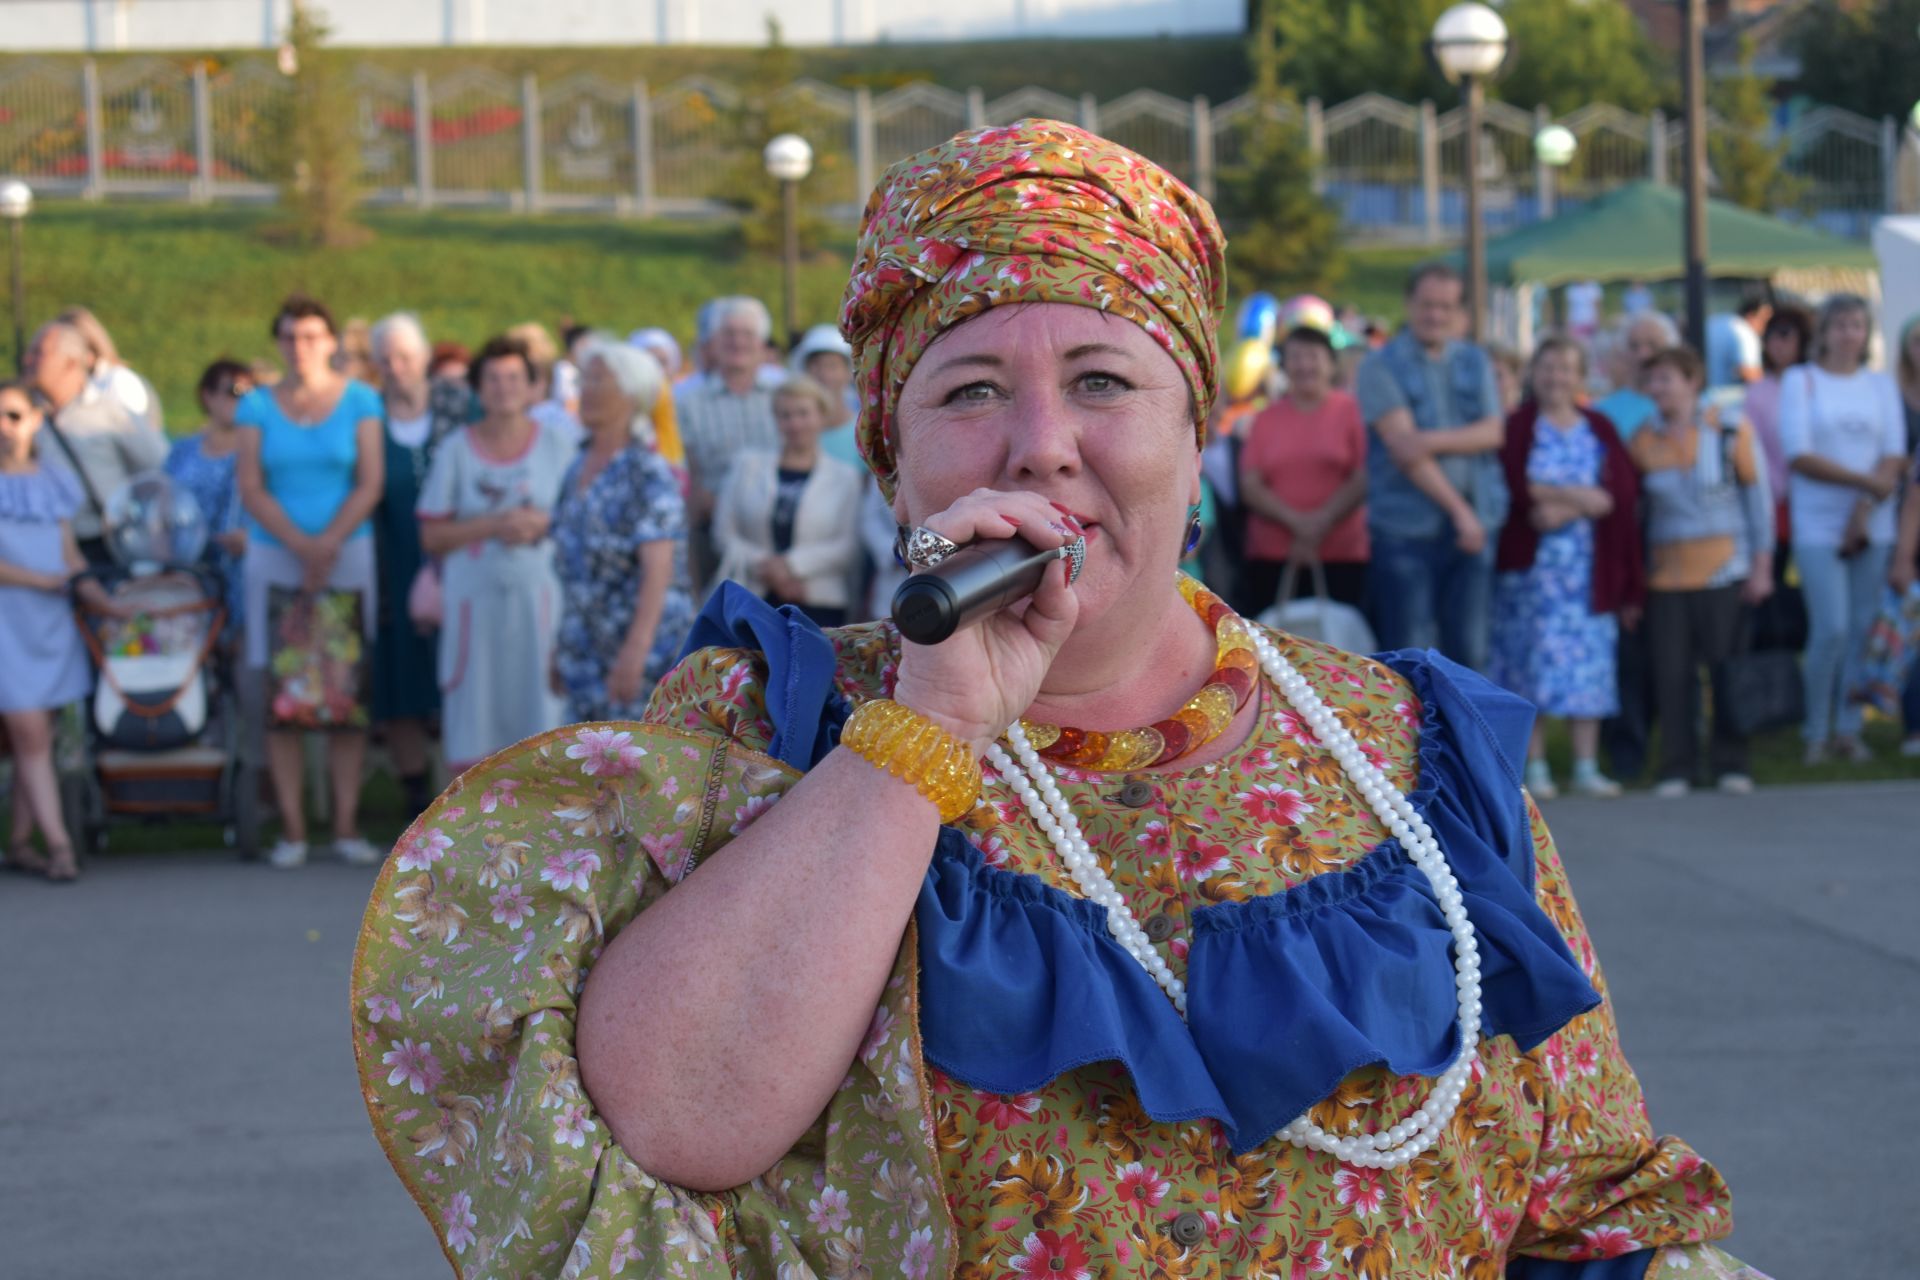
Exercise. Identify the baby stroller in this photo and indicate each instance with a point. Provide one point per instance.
(163, 737)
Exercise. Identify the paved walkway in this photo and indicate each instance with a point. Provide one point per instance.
(177, 1096)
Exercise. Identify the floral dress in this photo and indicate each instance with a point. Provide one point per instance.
(598, 532)
(1549, 646)
(1266, 881)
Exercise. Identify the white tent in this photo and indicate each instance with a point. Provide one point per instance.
(1896, 242)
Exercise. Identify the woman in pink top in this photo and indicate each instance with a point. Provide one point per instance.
(1303, 480)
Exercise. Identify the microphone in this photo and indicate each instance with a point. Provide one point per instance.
(975, 582)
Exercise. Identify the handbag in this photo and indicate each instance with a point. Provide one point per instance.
(426, 601)
(1319, 616)
(1893, 644)
(317, 659)
(1758, 691)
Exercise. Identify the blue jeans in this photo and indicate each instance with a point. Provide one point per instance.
(1428, 594)
(1842, 598)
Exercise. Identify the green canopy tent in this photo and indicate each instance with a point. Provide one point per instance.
(1636, 232)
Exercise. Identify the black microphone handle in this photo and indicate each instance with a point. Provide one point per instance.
(975, 582)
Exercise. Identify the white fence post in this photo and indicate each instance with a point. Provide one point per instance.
(642, 149)
(530, 141)
(864, 169)
(202, 136)
(1203, 147)
(422, 141)
(1317, 143)
(1890, 164)
(1543, 193)
(1089, 113)
(1657, 146)
(976, 109)
(1430, 170)
(96, 147)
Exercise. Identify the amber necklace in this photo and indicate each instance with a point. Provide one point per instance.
(1204, 718)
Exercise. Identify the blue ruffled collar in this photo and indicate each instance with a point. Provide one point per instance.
(1287, 994)
(43, 496)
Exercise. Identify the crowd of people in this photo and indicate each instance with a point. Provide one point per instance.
(529, 526)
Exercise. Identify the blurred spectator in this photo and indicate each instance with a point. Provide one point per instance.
(787, 524)
(827, 358)
(1583, 309)
(659, 344)
(1510, 372)
(40, 645)
(93, 435)
(449, 362)
(354, 358)
(309, 471)
(620, 532)
(1844, 433)
(1909, 367)
(1637, 299)
(545, 408)
(1783, 346)
(566, 370)
(1569, 564)
(1303, 479)
(722, 416)
(1709, 531)
(1436, 497)
(879, 530)
(1640, 339)
(203, 464)
(419, 414)
(1902, 571)
(486, 509)
(1733, 342)
(109, 374)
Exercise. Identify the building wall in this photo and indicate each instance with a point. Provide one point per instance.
(112, 25)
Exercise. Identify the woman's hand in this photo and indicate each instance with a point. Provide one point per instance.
(985, 677)
(1469, 535)
(233, 542)
(523, 526)
(318, 558)
(628, 673)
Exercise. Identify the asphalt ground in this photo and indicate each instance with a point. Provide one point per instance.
(177, 1094)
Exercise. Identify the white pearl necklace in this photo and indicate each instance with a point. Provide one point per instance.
(1392, 1147)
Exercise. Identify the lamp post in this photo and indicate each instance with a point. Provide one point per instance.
(789, 158)
(16, 201)
(1470, 44)
(1693, 86)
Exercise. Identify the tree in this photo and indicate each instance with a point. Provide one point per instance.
(1283, 235)
(764, 114)
(320, 183)
(1568, 52)
(1860, 55)
(1749, 164)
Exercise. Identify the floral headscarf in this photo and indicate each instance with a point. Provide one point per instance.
(1037, 211)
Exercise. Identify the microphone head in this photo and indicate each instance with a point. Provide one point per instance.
(926, 609)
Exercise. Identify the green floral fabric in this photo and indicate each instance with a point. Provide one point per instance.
(482, 929)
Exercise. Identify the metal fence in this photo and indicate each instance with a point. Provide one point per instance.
(476, 137)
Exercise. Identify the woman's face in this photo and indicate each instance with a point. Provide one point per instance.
(505, 388)
(602, 402)
(1082, 408)
(1671, 391)
(307, 347)
(223, 398)
(831, 370)
(403, 363)
(799, 420)
(1846, 337)
(1309, 369)
(19, 423)
(1782, 345)
(1557, 377)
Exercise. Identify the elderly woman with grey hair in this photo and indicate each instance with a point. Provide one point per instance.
(1637, 341)
(620, 529)
(420, 412)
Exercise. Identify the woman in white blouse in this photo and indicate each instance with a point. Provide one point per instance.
(787, 523)
(1843, 431)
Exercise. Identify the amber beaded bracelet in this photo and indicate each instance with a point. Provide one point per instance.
(916, 750)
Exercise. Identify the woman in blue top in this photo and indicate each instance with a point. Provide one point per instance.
(203, 464)
(310, 471)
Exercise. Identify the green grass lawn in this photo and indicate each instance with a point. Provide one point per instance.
(179, 285)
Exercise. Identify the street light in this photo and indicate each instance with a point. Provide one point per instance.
(1553, 148)
(1470, 43)
(789, 158)
(16, 201)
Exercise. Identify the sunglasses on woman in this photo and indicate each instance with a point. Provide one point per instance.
(15, 415)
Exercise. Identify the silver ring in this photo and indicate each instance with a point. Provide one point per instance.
(922, 548)
(1076, 554)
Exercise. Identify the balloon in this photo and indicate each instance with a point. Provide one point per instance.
(1247, 367)
(150, 521)
(1259, 317)
(1305, 311)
